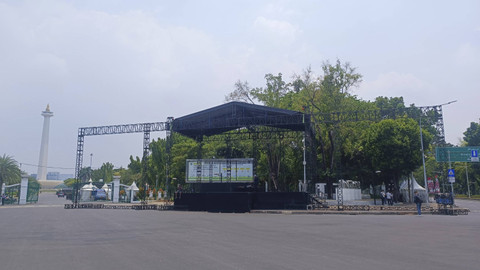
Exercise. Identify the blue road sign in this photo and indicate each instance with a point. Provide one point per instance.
(451, 176)
(474, 153)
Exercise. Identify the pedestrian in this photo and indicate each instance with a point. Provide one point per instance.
(382, 196)
(178, 193)
(418, 201)
(3, 199)
(389, 196)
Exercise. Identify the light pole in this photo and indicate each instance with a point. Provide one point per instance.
(468, 184)
(423, 160)
(423, 152)
(304, 166)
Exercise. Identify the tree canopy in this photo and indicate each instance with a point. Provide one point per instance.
(10, 173)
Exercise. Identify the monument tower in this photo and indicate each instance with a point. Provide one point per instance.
(42, 161)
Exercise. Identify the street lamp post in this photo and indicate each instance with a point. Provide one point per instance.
(304, 166)
(423, 160)
(468, 184)
(423, 152)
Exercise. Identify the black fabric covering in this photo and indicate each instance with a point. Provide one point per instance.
(235, 115)
(241, 202)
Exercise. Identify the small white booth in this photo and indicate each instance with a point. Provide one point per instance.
(133, 189)
(107, 191)
(86, 191)
(414, 186)
(351, 190)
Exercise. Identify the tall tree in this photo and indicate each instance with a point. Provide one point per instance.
(9, 170)
(272, 95)
(85, 174)
(242, 92)
(107, 172)
(393, 147)
(472, 134)
(276, 94)
(325, 94)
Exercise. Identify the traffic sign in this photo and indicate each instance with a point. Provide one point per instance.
(451, 176)
(457, 154)
(474, 157)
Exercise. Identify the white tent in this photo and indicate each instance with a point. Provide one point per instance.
(86, 191)
(107, 190)
(414, 186)
(133, 191)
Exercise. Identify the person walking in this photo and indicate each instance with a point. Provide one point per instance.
(389, 196)
(418, 201)
(382, 196)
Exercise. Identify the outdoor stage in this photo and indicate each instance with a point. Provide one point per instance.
(241, 202)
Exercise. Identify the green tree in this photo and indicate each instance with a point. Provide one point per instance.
(274, 93)
(277, 94)
(472, 134)
(9, 171)
(85, 174)
(472, 138)
(133, 173)
(107, 172)
(242, 92)
(393, 147)
(323, 96)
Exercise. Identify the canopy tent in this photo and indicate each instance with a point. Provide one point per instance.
(86, 191)
(133, 189)
(414, 186)
(234, 115)
(107, 190)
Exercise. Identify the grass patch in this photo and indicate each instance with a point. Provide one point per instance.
(463, 196)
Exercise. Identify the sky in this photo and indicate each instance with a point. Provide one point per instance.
(108, 62)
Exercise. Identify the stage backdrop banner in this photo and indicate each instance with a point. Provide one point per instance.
(219, 170)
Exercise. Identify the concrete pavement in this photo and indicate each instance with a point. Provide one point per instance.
(49, 237)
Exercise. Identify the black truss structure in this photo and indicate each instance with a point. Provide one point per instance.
(146, 128)
(232, 119)
(248, 134)
(236, 115)
(433, 113)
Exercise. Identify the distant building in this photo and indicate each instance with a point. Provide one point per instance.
(53, 176)
(58, 176)
(65, 176)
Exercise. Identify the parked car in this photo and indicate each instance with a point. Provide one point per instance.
(100, 194)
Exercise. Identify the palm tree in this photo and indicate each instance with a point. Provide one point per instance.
(9, 170)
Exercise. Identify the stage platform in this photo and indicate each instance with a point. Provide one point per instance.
(241, 202)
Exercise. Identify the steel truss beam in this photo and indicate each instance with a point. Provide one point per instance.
(121, 129)
(434, 113)
(244, 134)
(146, 128)
(230, 123)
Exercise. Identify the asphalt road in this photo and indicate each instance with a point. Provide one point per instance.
(46, 236)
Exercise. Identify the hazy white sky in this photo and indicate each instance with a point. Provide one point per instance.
(120, 62)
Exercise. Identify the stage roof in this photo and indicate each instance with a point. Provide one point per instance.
(235, 115)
